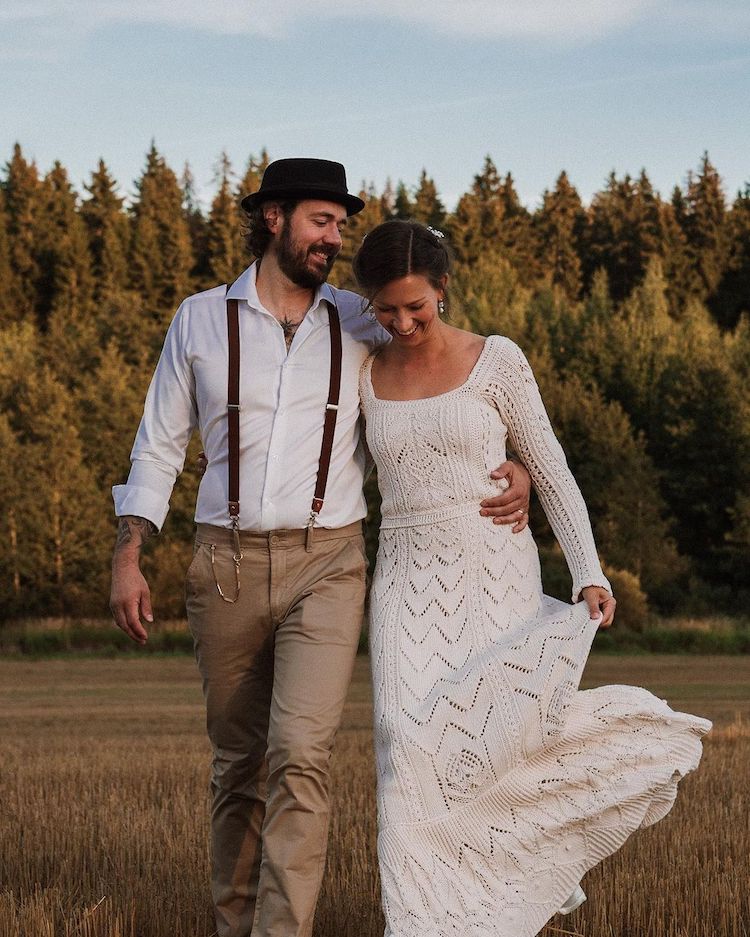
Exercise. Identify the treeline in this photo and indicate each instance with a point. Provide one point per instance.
(632, 310)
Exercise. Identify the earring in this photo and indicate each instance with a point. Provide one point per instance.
(441, 308)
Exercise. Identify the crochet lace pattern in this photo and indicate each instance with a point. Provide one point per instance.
(499, 782)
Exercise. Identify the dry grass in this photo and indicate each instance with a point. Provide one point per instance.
(104, 806)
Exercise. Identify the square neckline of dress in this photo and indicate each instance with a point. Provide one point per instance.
(469, 378)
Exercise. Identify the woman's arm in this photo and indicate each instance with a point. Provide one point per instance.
(514, 392)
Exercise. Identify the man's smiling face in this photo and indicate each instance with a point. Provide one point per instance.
(309, 241)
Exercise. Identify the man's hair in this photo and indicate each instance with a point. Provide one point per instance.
(257, 235)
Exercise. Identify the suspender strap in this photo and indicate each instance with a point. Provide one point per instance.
(233, 425)
(233, 444)
(332, 409)
(233, 408)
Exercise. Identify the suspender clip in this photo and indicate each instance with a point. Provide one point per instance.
(332, 406)
(237, 545)
(236, 557)
(309, 531)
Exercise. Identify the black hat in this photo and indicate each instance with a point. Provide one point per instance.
(304, 178)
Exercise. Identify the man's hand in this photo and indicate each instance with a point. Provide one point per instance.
(512, 506)
(130, 597)
(600, 602)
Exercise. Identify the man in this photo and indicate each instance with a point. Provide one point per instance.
(276, 587)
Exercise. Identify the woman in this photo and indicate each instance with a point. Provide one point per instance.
(499, 784)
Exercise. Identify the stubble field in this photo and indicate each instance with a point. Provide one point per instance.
(103, 797)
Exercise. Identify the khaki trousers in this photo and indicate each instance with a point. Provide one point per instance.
(276, 666)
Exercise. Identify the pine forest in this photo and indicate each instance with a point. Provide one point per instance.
(634, 311)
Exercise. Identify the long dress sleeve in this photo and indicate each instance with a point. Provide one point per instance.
(169, 418)
(513, 390)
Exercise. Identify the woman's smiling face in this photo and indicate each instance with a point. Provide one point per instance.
(407, 308)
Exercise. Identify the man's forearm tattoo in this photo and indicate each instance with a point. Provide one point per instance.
(130, 529)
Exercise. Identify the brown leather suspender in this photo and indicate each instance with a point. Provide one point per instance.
(332, 409)
(233, 426)
(233, 408)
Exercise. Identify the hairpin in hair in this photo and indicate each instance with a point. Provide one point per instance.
(435, 231)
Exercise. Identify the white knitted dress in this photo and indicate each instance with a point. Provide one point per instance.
(499, 782)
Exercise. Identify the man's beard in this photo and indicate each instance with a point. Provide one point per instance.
(293, 261)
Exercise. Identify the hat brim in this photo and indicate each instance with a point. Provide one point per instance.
(351, 203)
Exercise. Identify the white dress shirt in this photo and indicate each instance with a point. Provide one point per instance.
(282, 398)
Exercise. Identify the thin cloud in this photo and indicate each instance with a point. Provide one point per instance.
(542, 19)
(728, 20)
(371, 115)
(45, 30)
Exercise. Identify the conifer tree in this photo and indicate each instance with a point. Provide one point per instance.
(594, 352)
(636, 348)
(516, 235)
(552, 319)
(387, 199)
(109, 403)
(624, 232)
(250, 182)
(20, 357)
(427, 206)
(227, 257)
(679, 275)
(475, 225)
(161, 257)
(18, 362)
(118, 309)
(736, 345)
(67, 284)
(357, 227)
(109, 232)
(598, 305)
(488, 298)
(13, 560)
(560, 226)
(643, 336)
(732, 298)
(620, 485)
(71, 511)
(701, 443)
(403, 207)
(701, 213)
(490, 220)
(22, 190)
(200, 274)
(9, 293)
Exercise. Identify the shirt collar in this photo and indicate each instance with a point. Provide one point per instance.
(244, 288)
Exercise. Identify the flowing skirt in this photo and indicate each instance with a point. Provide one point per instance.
(500, 783)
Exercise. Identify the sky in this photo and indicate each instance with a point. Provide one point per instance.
(388, 88)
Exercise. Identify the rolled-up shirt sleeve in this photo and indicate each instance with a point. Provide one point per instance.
(169, 417)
